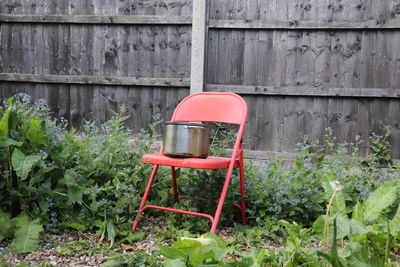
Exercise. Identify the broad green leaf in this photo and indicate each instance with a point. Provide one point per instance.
(172, 253)
(198, 250)
(175, 263)
(339, 203)
(6, 142)
(26, 236)
(198, 255)
(5, 223)
(342, 226)
(23, 164)
(358, 211)
(35, 133)
(4, 124)
(318, 226)
(111, 233)
(214, 237)
(357, 227)
(379, 200)
(395, 222)
(349, 249)
(187, 243)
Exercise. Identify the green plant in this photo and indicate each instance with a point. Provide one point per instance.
(293, 194)
(84, 181)
(111, 177)
(380, 148)
(28, 138)
(255, 258)
(367, 232)
(205, 250)
(24, 234)
(296, 250)
(333, 256)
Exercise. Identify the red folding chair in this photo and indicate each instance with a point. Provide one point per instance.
(204, 107)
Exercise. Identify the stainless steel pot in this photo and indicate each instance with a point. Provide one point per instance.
(186, 140)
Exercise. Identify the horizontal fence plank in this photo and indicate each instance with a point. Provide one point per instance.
(306, 91)
(99, 80)
(96, 19)
(305, 24)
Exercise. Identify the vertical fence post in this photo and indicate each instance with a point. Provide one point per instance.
(198, 46)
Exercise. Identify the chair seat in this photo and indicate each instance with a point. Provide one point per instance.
(209, 163)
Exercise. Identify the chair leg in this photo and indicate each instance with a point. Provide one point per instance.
(144, 198)
(222, 199)
(242, 190)
(174, 189)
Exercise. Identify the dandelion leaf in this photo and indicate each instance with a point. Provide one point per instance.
(342, 226)
(379, 200)
(395, 222)
(26, 236)
(111, 232)
(358, 211)
(357, 227)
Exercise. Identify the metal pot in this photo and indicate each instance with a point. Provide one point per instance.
(186, 140)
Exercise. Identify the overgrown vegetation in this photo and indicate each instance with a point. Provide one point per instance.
(330, 207)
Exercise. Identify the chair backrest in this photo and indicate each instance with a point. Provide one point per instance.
(212, 107)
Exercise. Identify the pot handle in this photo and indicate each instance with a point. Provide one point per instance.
(194, 127)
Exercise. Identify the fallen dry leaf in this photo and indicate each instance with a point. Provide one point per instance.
(127, 248)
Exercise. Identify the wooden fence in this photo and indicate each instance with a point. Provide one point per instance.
(302, 65)
(87, 57)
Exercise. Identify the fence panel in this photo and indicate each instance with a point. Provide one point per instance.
(87, 57)
(304, 66)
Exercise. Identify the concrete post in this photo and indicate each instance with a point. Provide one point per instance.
(198, 46)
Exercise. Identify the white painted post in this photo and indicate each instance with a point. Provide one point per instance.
(198, 46)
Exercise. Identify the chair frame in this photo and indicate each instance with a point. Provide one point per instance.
(236, 158)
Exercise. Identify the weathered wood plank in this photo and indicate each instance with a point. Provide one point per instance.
(394, 119)
(290, 120)
(251, 59)
(395, 63)
(364, 124)
(306, 91)
(305, 25)
(100, 80)
(96, 19)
